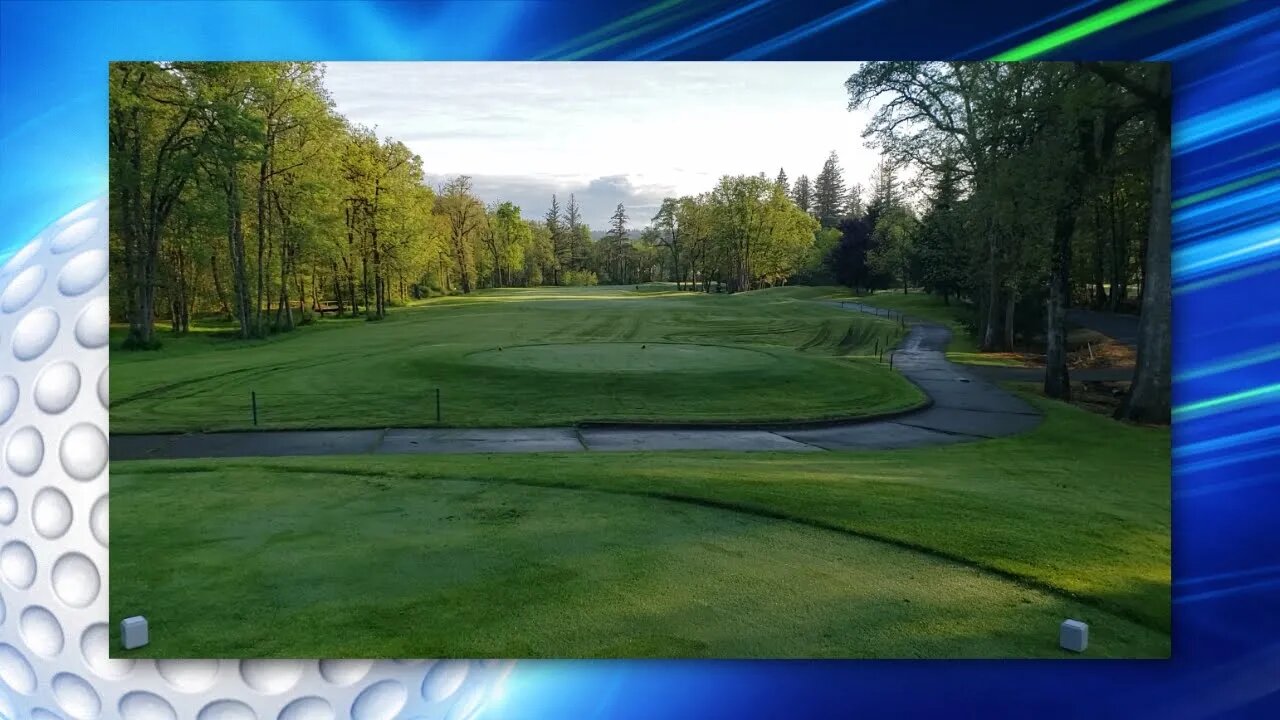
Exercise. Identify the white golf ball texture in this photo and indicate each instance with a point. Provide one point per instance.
(54, 639)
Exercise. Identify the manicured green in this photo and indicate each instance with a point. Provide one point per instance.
(542, 356)
(977, 549)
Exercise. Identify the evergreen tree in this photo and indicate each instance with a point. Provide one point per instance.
(617, 244)
(557, 238)
(829, 192)
(575, 254)
(939, 241)
(803, 193)
(884, 192)
(782, 182)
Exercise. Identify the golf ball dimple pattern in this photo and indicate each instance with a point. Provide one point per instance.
(41, 631)
(188, 676)
(57, 386)
(76, 697)
(82, 272)
(22, 289)
(22, 257)
(93, 324)
(227, 710)
(54, 517)
(25, 451)
(34, 333)
(84, 451)
(8, 508)
(18, 564)
(104, 389)
(51, 513)
(8, 397)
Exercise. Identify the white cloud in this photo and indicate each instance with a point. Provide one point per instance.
(610, 132)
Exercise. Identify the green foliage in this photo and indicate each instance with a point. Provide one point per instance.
(1026, 161)
(894, 251)
(580, 278)
(829, 194)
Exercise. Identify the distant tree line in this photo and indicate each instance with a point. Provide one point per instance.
(238, 190)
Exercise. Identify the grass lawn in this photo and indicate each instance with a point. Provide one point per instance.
(972, 550)
(509, 358)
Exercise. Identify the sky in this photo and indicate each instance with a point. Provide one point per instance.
(607, 132)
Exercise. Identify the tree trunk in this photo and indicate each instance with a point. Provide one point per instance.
(380, 308)
(1149, 395)
(1057, 384)
(1010, 306)
(217, 285)
(262, 236)
(991, 329)
(1119, 261)
(1099, 251)
(337, 286)
(235, 242)
(364, 282)
(284, 312)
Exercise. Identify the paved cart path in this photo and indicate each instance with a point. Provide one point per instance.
(1121, 327)
(966, 406)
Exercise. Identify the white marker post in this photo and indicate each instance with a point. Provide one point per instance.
(133, 632)
(1073, 635)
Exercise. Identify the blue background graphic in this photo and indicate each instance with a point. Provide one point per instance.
(1226, 484)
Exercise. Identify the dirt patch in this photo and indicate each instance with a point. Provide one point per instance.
(1086, 350)
(1102, 398)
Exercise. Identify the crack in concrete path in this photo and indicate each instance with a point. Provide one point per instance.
(965, 408)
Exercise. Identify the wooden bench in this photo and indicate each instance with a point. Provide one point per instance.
(326, 307)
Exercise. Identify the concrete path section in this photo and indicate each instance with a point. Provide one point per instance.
(245, 444)
(460, 440)
(699, 439)
(966, 407)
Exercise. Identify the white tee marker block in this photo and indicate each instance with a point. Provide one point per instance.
(133, 632)
(1073, 635)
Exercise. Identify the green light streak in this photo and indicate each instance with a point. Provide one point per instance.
(1224, 189)
(1252, 394)
(584, 52)
(1075, 31)
(613, 27)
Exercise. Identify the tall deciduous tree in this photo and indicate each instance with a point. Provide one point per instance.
(154, 143)
(466, 218)
(1149, 397)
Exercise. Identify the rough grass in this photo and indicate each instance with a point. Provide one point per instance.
(811, 362)
(973, 550)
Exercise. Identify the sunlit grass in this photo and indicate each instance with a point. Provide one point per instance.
(818, 363)
(972, 550)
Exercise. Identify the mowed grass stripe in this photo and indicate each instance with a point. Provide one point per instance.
(346, 373)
